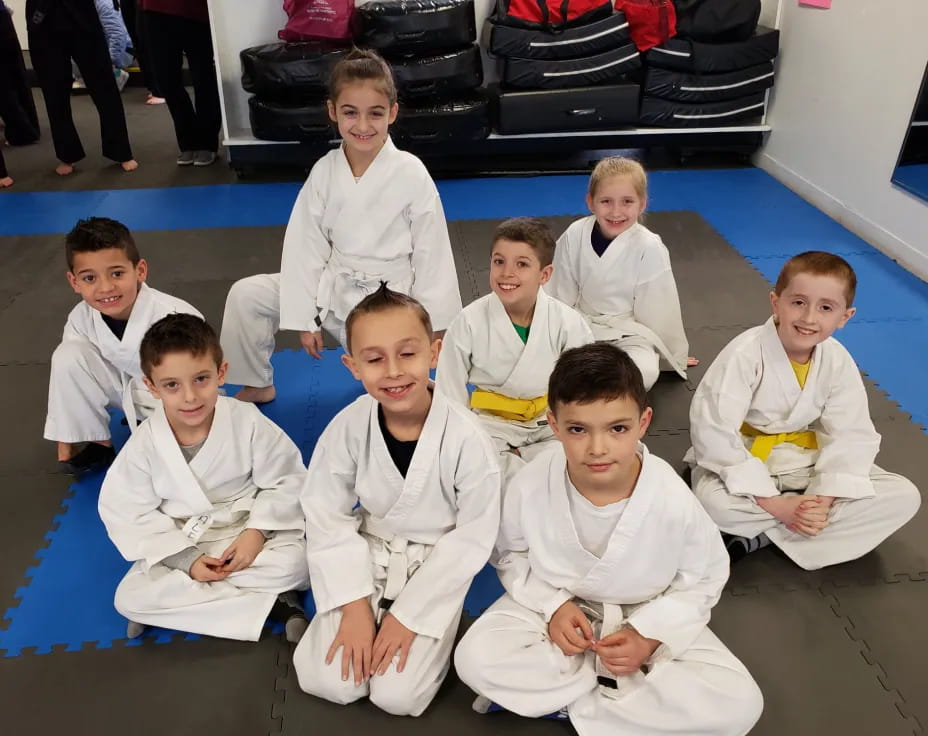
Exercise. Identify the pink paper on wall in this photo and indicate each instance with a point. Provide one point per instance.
(816, 3)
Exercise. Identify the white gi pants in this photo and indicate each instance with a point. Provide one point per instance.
(506, 656)
(402, 694)
(530, 441)
(856, 525)
(235, 608)
(644, 355)
(249, 324)
(82, 386)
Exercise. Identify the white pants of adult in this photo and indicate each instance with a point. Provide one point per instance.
(644, 355)
(235, 608)
(855, 526)
(249, 324)
(83, 385)
(406, 693)
(506, 656)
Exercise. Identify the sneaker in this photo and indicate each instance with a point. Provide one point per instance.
(134, 630)
(185, 158)
(288, 610)
(78, 84)
(93, 456)
(122, 76)
(204, 158)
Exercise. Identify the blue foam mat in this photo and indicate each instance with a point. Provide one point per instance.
(885, 290)
(68, 595)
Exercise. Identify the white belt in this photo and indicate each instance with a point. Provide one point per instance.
(347, 280)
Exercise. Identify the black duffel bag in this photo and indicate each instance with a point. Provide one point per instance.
(416, 26)
(446, 74)
(278, 121)
(717, 21)
(289, 72)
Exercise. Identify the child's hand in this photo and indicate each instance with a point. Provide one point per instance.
(208, 570)
(242, 552)
(782, 508)
(623, 652)
(355, 637)
(812, 515)
(312, 343)
(392, 636)
(563, 629)
(691, 361)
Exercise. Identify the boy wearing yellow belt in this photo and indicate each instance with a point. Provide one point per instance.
(783, 444)
(506, 343)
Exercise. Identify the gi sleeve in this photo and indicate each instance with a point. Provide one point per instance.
(306, 252)
(433, 595)
(454, 362)
(340, 563)
(563, 284)
(435, 280)
(720, 404)
(511, 560)
(848, 443)
(129, 507)
(657, 304)
(278, 472)
(679, 614)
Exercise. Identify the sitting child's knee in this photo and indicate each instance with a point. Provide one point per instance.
(395, 693)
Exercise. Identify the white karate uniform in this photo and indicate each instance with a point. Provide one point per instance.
(154, 504)
(483, 348)
(93, 370)
(628, 294)
(345, 237)
(417, 541)
(751, 381)
(662, 571)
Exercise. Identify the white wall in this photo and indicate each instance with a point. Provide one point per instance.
(846, 83)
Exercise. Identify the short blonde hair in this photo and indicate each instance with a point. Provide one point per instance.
(620, 166)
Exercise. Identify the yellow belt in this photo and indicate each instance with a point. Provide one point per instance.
(518, 410)
(764, 443)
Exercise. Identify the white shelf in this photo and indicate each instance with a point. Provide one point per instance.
(244, 138)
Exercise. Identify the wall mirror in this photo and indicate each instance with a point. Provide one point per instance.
(911, 171)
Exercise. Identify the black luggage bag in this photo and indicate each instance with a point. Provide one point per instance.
(604, 107)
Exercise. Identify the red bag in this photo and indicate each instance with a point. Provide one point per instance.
(322, 19)
(552, 15)
(651, 21)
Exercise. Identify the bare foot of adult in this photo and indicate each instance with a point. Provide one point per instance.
(257, 395)
(6, 181)
(152, 100)
(64, 169)
(130, 165)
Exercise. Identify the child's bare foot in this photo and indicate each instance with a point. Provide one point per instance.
(6, 181)
(257, 395)
(64, 169)
(130, 165)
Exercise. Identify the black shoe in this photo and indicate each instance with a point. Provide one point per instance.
(93, 456)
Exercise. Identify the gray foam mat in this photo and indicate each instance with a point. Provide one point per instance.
(24, 395)
(887, 621)
(38, 501)
(228, 253)
(811, 673)
(183, 689)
